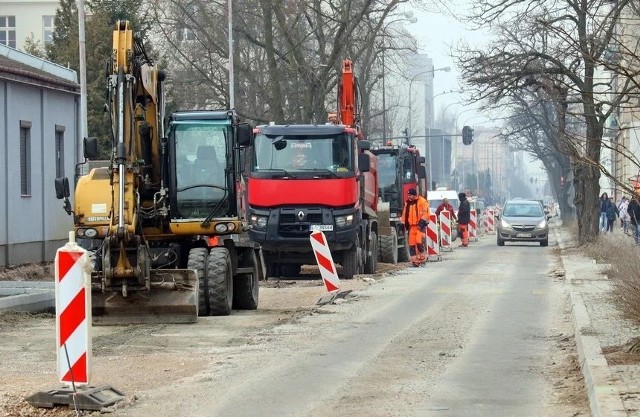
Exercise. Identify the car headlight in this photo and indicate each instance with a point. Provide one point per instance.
(542, 224)
(259, 221)
(504, 224)
(342, 221)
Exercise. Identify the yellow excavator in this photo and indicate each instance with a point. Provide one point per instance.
(164, 222)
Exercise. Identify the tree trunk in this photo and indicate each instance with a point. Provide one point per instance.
(586, 183)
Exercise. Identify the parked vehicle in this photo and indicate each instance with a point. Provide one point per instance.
(400, 168)
(522, 221)
(316, 177)
(163, 220)
(436, 197)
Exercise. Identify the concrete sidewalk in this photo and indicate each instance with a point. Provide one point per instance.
(613, 390)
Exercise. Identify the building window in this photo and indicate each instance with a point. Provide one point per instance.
(25, 158)
(8, 31)
(47, 29)
(59, 151)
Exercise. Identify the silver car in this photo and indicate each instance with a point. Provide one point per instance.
(522, 221)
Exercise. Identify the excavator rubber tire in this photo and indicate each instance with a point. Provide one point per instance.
(220, 282)
(246, 286)
(198, 262)
(389, 248)
(372, 260)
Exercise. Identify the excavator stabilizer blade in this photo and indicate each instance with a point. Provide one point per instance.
(173, 298)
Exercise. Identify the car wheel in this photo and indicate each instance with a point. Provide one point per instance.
(544, 242)
(499, 241)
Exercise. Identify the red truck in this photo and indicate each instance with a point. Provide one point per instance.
(400, 168)
(315, 177)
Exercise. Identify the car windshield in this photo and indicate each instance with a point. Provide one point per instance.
(522, 210)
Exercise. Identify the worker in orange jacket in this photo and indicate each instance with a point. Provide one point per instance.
(415, 218)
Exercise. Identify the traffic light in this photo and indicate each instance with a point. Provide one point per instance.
(467, 135)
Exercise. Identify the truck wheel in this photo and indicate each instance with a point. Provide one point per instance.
(389, 248)
(198, 262)
(351, 260)
(371, 264)
(403, 251)
(246, 286)
(291, 270)
(220, 282)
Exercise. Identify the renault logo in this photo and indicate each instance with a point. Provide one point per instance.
(301, 215)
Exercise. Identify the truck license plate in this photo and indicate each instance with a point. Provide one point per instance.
(523, 234)
(321, 227)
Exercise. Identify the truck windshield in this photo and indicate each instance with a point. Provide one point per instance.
(295, 155)
(200, 150)
(387, 170)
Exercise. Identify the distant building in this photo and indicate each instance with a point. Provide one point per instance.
(39, 141)
(20, 20)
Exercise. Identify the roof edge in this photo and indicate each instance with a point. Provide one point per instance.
(39, 63)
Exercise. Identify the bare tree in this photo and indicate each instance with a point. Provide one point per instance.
(557, 46)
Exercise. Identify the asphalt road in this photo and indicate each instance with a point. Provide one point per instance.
(485, 332)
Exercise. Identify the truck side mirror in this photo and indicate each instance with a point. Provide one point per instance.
(245, 134)
(364, 145)
(62, 187)
(364, 163)
(90, 148)
(422, 172)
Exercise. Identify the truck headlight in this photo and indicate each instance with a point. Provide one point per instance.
(259, 221)
(342, 221)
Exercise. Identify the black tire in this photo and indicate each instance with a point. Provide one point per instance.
(220, 282)
(291, 270)
(403, 250)
(389, 248)
(371, 264)
(198, 262)
(499, 241)
(351, 261)
(246, 286)
(544, 242)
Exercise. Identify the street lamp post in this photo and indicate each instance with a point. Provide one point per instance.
(415, 78)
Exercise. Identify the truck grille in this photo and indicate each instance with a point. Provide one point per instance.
(292, 227)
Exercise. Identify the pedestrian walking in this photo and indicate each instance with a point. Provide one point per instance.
(634, 216)
(604, 203)
(415, 218)
(624, 214)
(464, 217)
(612, 213)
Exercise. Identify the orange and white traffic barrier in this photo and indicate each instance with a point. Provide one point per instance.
(73, 313)
(473, 226)
(433, 244)
(325, 261)
(445, 230)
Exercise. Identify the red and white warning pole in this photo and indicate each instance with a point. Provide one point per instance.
(433, 244)
(491, 228)
(473, 226)
(73, 313)
(325, 261)
(445, 230)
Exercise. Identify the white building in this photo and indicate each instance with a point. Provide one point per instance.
(20, 20)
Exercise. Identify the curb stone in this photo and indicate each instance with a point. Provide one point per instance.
(604, 397)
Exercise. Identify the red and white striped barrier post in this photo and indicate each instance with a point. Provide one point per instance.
(73, 313)
(491, 228)
(433, 244)
(327, 268)
(73, 327)
(325, 261)
(473, 226)
(445, 230)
